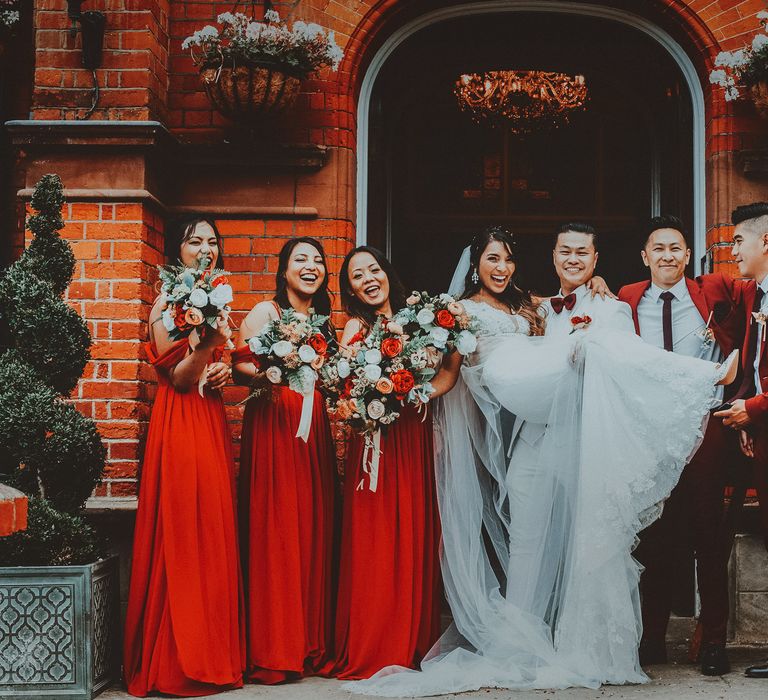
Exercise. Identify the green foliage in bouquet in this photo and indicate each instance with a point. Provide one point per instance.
(48, 449)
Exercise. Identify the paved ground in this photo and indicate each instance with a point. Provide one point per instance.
(676, 681)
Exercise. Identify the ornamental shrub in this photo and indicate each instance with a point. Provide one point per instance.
(48, 449)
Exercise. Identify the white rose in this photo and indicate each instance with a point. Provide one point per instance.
(255, 345)
(439, 336)
(198, 298)
(343, 369)
(466, 343)
(168, 323)
(446, 298)
(425, 317)
(395, 328)
(372, 372)
(307, 353)
(282, 348)
(372, 357)
(376, 409)
(221, 296)
(274, 374)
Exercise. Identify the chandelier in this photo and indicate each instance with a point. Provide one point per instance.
(524, 100)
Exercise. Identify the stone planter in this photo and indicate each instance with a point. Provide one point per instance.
(59, 630)
(759, 93)
(748, 570)
(245, 93)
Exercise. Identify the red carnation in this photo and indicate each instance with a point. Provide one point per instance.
(445, 319)
(391, 347)
(318, 343)
(348, 385)
(403, 381)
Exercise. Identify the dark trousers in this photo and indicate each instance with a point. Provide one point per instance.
(692, 519)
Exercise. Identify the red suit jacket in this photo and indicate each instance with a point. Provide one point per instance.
(725, 298)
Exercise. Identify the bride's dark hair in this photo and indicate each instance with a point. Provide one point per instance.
(519, 300)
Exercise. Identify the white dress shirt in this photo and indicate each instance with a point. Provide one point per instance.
(688, 326)
(760, 330)
(605, 313)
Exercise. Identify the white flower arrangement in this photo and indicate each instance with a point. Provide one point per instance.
(9, 13)
(743, 67)
(239, 40)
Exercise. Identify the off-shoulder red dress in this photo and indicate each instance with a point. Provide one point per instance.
(389, 595)
(287, 500)
(183, 631)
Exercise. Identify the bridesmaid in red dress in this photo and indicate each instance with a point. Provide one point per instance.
(388, 607)
(183, 632)
(287, 494)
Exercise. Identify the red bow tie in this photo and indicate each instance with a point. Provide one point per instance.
(559, 302)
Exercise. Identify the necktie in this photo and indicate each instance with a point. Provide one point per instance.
(748, 387)
(666, 318)
(559, 302)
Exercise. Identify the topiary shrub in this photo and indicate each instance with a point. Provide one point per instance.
(47, 448)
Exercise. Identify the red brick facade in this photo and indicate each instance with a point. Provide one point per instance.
(122, 185)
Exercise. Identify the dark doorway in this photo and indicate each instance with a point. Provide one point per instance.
(436, 177)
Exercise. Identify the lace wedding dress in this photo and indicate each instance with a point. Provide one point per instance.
(623, 418)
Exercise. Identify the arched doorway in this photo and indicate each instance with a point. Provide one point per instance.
(429, 177)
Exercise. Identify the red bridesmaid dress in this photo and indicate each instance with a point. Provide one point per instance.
(183, 631)
(388, 607)
(287, 499)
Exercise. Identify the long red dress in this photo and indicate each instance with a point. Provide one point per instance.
(388, 607)
(183, 631)
(287, 500)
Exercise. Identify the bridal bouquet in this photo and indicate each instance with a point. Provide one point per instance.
(368, 382)
(290, 351)
(194, 298)
(441, 320)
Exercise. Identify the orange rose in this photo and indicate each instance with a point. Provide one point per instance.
(318, 343)
(391, 347)
(385, 386)
(403, 381)
(445, 319)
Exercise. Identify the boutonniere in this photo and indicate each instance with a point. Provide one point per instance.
(706, 334)
(760, 318)
(580, 322)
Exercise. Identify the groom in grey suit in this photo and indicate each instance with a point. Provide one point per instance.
(575, 258)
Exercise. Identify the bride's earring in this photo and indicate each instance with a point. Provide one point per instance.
(475, 277)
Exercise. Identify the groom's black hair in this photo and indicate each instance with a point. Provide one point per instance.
(576, 227)
(746, 212)
(664, 221)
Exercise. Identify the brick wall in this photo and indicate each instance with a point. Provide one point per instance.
(134, 76)
(116, 246)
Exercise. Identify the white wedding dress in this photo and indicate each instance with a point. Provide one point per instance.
(623, 419)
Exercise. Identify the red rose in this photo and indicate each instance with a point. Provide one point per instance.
(445, 319)
(391, 347)
(219, 280)
(179, 321)
(318, 343)
(403, 381)
(347, 390)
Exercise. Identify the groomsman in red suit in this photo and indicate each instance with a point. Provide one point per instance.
(749, 410)
(700, 318)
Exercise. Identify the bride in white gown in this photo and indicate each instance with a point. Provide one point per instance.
(623, 418)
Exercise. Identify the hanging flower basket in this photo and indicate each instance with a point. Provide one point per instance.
(245, 92)
(759, 93)
(249, 69)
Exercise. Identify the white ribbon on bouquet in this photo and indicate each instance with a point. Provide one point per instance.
(371, 457)
(307, 407)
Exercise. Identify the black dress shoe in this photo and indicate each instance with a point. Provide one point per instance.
(757, 671)
(652, 653)
(714, 660)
